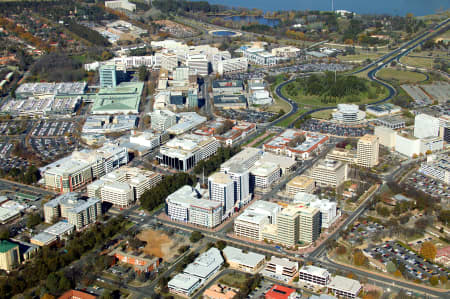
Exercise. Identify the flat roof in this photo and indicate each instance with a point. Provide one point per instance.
(345, 284)
(125, 96)
(284, 262)
(188, 196)
(44, 238)
(59, 228)
(183, 281)
(228, 83)
(264, 168)
(283, 161)
(205, 263)
(220, 178)
(6, 246)
(316, 271)
(229, 99)
(301, 181)
(249, 259)
(6, 214)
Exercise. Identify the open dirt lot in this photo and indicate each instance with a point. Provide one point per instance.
(160, 244)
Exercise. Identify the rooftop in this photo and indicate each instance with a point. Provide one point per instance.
(183, 281)
(59, 228)
(236, 255)
(229, 99)
(220, 178)
(6, 246)
(301, 181)
(344, 283)
(264, 168)
(6, 214)
(284, 262)
(188, 196)
(228, 83)
(205, 263)
(313, 270)
(279, 292)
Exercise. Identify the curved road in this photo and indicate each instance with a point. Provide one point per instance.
(379, 63)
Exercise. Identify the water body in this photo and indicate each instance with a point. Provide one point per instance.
(392, 7)
(224, 33)
(252, 19)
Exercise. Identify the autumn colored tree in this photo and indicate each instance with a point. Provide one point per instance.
(434, 280)
(48, 296)
(428, 250)
(341, 250)
(359, 259)
(443, 279)
(398, 273)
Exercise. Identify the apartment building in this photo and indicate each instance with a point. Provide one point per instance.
(329, 173)
(368, 150)
(251, 222)
(314, 275)
(85, 213)
(300, 183)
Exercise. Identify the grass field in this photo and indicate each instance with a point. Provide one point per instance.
(291, 118)
(263, 140)
(360, 57)
(417, 61)
(326, 114)
(400, 77)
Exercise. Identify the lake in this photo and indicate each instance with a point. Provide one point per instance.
(253, 19)
(392, 7)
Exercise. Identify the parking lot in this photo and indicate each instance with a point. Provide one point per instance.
(46, 128)
(428, 185)
(365, 231)
(326, 127)
(15, 127)
(415, 266)
(52, 148)
(247, 115)
(314, 67)
(7, 161)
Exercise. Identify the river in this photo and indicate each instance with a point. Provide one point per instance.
(392, 7)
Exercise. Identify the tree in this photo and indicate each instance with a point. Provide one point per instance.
(341, 250)
(52, 283)
(195, 236)
(443, 279)
(33, 220)
(4, 233)
(143, 73)
(390, 267)
(434, 280)
(428, 251)
(221, 244)
(359, 259)
(48, 296)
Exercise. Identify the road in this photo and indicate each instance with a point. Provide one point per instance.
(373, 68)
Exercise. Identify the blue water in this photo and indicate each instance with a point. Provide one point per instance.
(251, 19)
(392, 7)
(224, 33)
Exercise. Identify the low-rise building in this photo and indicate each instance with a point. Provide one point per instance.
(219, 291)
(260, 56)
(243, 261)
(329, 173)
(344, 155)
(75, 294)
(230, 101)
(9, 255)
(233, 65)
(437, 167)
(282, 267)
(205, 265)
(186, 122)
(383, 109)
(121, 4)
(246, 158)
(186, 205)
(348, 114)
(287, 164)
(391, 122)
(149, 139)
(58, 231)
(161, 120)
(314, 275)
(7, 215)
(184, 284)
(300, 183)
(280, 292)
(227, 87)
(141, 262)
(344, 287)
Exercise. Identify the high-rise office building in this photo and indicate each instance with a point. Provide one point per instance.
(221, 189)
(192, 98)
(108, 76)
(241, 178)
(426, 126)
(368, 151)
(161, 120)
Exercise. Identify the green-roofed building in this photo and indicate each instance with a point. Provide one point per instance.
(124, 98)
(9, 255)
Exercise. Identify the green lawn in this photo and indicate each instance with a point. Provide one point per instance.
(421, 62)
(326, 114)
(286, 122)
(263, 140)
(399, 76)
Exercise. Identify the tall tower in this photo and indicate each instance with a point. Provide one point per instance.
(108, 76)
(221, 189)
(368, 150)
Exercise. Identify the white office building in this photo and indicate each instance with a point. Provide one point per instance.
(260, 56)
(252, 221)
(148, 139)
(187, 205)
(327, 208)
(183, 153)
(426, 126)
(221, 189)
(205, 265)
(314, 275)
(263, 174)
(281, 267)
(348, 113)
(184, 284)
(198, 63)
(121, 4)
(344, 287)
(233, 65)
(241, 179)
(437, 167)
(246, 158)
(169, 61)
(161, 120)
(386, 136)
(411, 146)
(329, 173)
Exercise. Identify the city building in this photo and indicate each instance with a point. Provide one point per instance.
(383, 109)
(198, 63)
(329, 173)
(43, 89)
(219, 291)
(246, 158)
(327, 208)
(368, 150)
(206, 264)
(296, 144)
(314, 275)
(251, 222)
(300, 183)
(149, 139)
(108, 76)
(184, 284)
(263, 174)
(233, 65)
(282, 267)
(241, 183)
(243, 261)
(9, 255)
(7, 215)
(121, 99)
(386, 136)
(391, 122)
(286, 52)
(411, 146)
(426, 126)
(169, 61)
(187, 205)
(50, 235)
(287, 164)
(82, 167)
(141, 262)
(260, 56)
(230, 101)
(295, 224)
(280, 292)
(42, 106)
(437, 167)
(221, 189)
(123, 186)
(227, 87)
(183, 153)
(344, 287)
(161, 120)
(348, 113)
(101, 124)
(77, 211)
(186, 122)
(346, 155)
(121, 4)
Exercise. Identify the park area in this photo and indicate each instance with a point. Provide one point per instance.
(161, 244)
(400, 77)
(329, 90)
